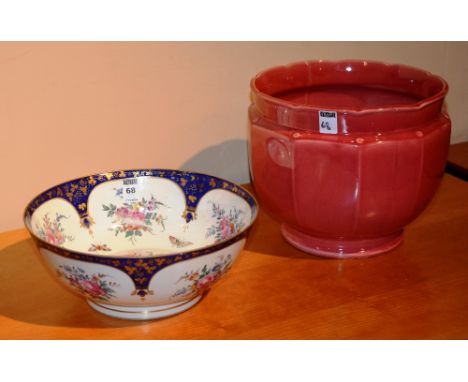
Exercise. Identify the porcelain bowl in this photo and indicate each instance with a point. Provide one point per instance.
(141, 244)
(346, 153)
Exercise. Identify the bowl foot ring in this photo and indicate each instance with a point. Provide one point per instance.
(340, 249)
(144, 312)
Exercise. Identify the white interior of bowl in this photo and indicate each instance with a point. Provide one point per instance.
(145, 218)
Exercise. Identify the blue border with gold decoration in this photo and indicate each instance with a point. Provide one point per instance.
(141, 270)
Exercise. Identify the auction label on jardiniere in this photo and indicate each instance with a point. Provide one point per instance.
(328, 122)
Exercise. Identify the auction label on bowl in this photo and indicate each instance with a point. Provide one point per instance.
(132, 189)
(328, 122)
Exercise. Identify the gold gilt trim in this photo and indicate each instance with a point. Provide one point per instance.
(145, 291)
(150, 311)
(191, 210)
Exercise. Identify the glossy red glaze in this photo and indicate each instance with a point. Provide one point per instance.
(351, 193)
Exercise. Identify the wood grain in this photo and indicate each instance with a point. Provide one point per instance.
(417, 291)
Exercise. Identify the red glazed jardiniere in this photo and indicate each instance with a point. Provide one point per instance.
(345, 154)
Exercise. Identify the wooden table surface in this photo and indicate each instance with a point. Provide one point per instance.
(417, 291)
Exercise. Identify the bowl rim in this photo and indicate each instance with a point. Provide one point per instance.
(90, 256)
(307, 108)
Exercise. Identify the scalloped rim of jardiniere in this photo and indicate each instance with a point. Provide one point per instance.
(216, 246)
(406, 107)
